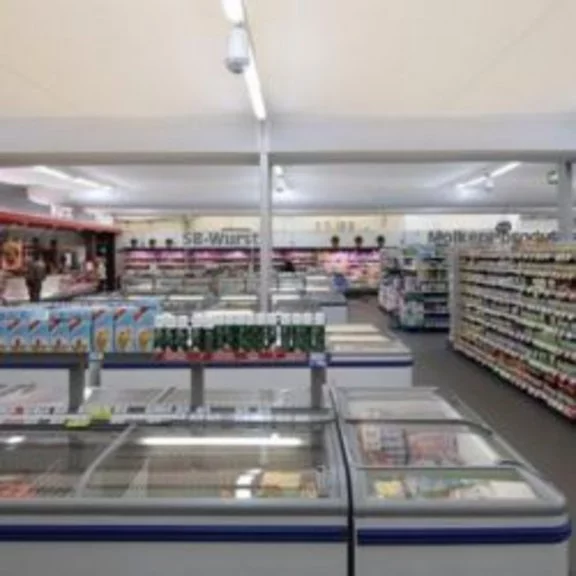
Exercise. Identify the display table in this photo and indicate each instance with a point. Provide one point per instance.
(368, 360)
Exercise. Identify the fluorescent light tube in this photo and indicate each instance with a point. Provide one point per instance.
(505, 169)
(222, 441)
(52, 172)
(255, 89)
(234, 11)
(473, 182)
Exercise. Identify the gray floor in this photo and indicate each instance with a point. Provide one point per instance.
(542, 437)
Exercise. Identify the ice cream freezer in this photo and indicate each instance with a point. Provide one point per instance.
(368, 360)
(434, 493)
(201, 500)
(332, 304)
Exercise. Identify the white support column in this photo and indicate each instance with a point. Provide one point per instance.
(265, 217)
(564, 202)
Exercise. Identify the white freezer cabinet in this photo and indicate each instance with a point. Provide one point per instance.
(185, 501)
(368, 360)
(434, 494)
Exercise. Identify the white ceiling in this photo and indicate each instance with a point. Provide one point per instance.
(126, 76)
(346, 188)
(382, 58)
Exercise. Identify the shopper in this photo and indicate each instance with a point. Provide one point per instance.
(288, 266)
(35, 275)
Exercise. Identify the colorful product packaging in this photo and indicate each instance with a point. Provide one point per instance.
(3, 333)
(124, 328)
(39, 330)
(17, 329)
(80, 326)
(59, 331)
(102, 329)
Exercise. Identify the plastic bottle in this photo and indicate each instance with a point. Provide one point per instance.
(183, 334)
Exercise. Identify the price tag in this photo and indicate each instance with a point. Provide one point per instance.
(318, 360)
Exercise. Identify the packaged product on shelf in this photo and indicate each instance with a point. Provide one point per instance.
(17, 329)
(319, 335)
(39, 331)
(286, 332)
(272, 331)
(207, 334)
(59, 331)
(3, 333)
(161, 332)
(80, 327)
(102, 329)
(183, 334)
(144, 316)
(124, 328)
(195, 333)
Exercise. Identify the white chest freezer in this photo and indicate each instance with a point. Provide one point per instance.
(368, 360)
(196, 500)
(436, 495)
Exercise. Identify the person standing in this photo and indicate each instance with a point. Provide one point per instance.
(34, 276)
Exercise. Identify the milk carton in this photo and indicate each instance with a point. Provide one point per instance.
(59, 330)
(124, 328)
(17, 329)
(80, 326)
(144, 317)
(39, 330)
(102, 329)
(3, 333)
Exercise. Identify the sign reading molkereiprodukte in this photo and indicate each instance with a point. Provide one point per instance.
(221, 239)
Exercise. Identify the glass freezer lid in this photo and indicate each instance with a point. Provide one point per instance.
(345, 329)
(237, 462)
(389, 444)
(449, 485)
(378, 404)
(40, 464)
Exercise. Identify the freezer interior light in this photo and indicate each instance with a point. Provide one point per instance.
(274, 441)
(14, 440)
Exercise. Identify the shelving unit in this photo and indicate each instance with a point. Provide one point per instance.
(414, 287)
(514, 311)
(360, 267)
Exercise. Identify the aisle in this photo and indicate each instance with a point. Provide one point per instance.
(546, 440)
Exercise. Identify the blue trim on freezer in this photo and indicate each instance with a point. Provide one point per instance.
(187, 365)
(371, 364)
(463, 536)
(176, 533)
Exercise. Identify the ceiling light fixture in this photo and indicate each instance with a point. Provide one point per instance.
(273, 441)
(505, 169)
(255, 89)
(487, 179)
(234, 11)
(54, 173)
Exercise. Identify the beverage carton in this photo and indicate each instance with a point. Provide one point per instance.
(59, 330)
(17, 329)
(144, 317)
(124, 328)
(102, 329)
(80, 326)
(39, 331)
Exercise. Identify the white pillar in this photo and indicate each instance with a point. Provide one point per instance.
(564, 202)
(265, 217)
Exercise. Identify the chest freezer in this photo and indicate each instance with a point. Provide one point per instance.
(445, 497)
(185, 501)
(368, 360)
(355, 329)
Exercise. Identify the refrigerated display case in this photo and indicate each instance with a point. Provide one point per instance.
(368, 360)
(435, 493)
(179, 500)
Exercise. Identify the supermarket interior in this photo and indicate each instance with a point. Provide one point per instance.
(278, 278)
